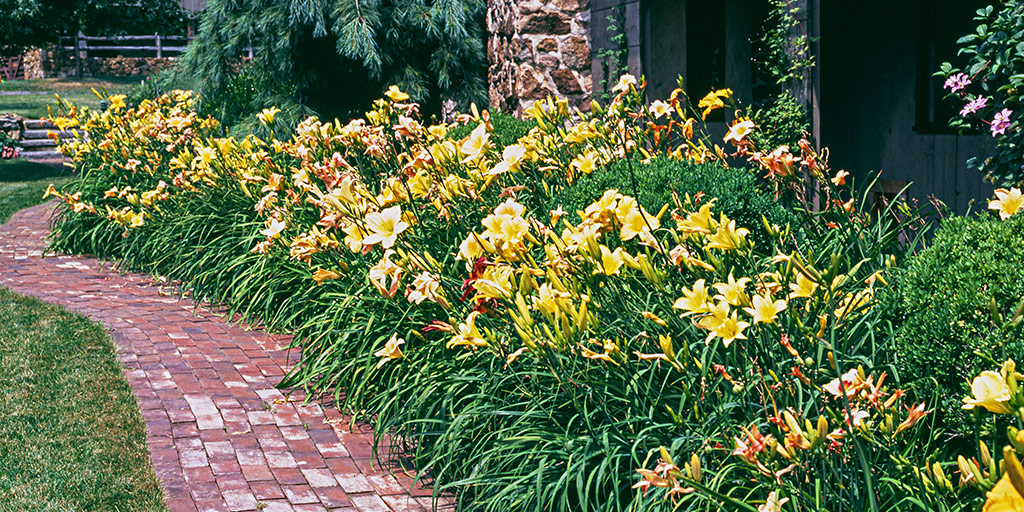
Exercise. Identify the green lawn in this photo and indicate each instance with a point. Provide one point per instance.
(41, 93)
(22, 184)
(71, 436)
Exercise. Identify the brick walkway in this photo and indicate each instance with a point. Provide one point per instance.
(222, 438)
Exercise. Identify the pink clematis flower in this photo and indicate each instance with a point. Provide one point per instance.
(973, 106)
(1001, 122)
(957, 82)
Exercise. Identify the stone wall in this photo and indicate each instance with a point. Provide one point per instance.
(538, 48)
(52, 63)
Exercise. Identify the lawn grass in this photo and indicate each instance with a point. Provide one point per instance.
(71, 436)
(79, 91)
(22, 184)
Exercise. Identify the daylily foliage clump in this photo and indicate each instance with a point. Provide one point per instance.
(625, 356)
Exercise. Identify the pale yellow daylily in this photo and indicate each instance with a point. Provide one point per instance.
(991, 392)
(1007, 202)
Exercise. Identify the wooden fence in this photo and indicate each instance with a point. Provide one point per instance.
(12, 68)
(158, 45)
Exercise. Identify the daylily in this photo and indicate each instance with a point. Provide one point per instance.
(476, 144)
(772, 504)
(496, 283)
(765, 310)
(636, 223)
(585, 163)
(914, 415)
(385, 226)
(660, 108)
(424, 287)
(274, 228)
(266, 117)
(694, 300)
(991, 392)
(728, 237)
(730, 329)
(1008, 493)
(391, 350)
(803, 287)
(624, 82)
(851, 384)
(1007, 202)
(611, 262)
(322, 275)
(739, 131)
(733, 291)
(383, 270)
(395, 94)
(468, 335)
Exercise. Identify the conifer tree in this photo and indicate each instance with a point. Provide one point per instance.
(335, 56)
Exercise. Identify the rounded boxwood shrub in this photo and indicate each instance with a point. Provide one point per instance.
(941, 306)
(736, 191)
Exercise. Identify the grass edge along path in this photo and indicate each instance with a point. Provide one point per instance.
(23, 183)
(71, 434)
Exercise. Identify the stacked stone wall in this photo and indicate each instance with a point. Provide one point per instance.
(54, 63)
(538, 48)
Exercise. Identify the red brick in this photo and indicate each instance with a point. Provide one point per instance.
(205, 389)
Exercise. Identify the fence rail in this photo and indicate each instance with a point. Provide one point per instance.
(81, 44)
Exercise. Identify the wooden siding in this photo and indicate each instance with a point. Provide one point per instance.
(193, 5)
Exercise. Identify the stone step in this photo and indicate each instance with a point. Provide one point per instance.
(41, 155)
(38, 143)
(43, 134)
(38, 124)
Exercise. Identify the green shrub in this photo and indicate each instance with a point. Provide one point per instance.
(736, 191)
(942, 307)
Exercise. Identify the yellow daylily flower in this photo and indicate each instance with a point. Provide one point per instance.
(624, 82)
(728, 237)
(395, 94)
(585, 163)
(803, 287)
(713, 101)
(729, 329)
(468, 334)
(266, 117)
(733, 291)
(1007, 202)
(549, 299)
(391, 350)
(117, 102)
(385, 226)
(496, 283)
(1004, 497)
(717, 313)
(322, 275)
(611, 262)
(700, 221)
(693, 301)
(476, 144)
(991, 392)
(470, 249)
(765, 310)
